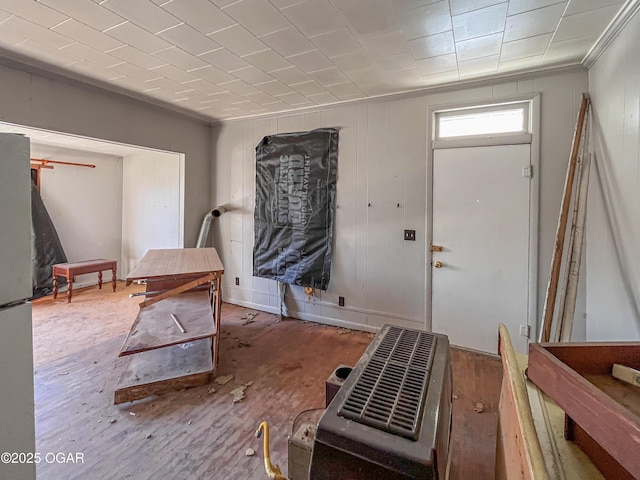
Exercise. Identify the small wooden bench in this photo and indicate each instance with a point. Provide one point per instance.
(70, 270)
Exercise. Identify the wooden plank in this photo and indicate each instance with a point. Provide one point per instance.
(552, 288)
(518, 454)
(180, 289)
(154, 328)
(166, 369)
(176, 262)
(614, 427)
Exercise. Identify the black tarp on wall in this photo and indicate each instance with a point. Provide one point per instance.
(46, 249)
(295, 207)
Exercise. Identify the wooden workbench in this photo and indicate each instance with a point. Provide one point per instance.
(162, 357)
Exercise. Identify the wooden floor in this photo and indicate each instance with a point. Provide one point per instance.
(195, 434)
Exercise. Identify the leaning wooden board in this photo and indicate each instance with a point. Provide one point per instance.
(604, 412)
(161, 357)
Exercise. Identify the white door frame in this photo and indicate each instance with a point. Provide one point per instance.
(534, 192)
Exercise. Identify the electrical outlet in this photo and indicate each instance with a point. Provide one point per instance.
(237, 280)
(341, 301)
(410, 235)
(524, 331)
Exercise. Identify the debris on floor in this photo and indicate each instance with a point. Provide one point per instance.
(249, 318)
(211, 390)
(225, 379)
(113, 420)
(478, 407)
(63, 373)
(454, 396)
(250, 452)
(148, 435)
(242, 344)
(238, 392)
(344, 331)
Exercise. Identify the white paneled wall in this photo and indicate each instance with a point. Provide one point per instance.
(382, 180)
(152, 203)
(613, 223)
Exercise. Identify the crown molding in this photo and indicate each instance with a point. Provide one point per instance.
(617, 24)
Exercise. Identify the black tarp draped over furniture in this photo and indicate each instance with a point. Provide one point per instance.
(46, 249)
(295, 207)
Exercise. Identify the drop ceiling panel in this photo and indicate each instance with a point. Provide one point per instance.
(89, 13)
(424, 21)
(288, 42)
(379, 17)
(200, 14)
(189, 39)
(136, 57)
(212, 74)
(479, 47)
(39, 14)
(459, 7)
(87, 35)
(433, 45)
(35, 32)
(433, 65)
(308, 88)
(310, 61)
(479, 23)
(143, 13)
(385, 44)
(585, 24)
(338, 42)
(252, 75)
(238, 40)
(290, 75)
(224, 60)
(136, 36)
(483, 65)
(585, 5)
(521, 6)
(535, 22)
(258, 16)
(181, 59)
(526, 47)
(236, 58)
(174, 73)
(314, 17)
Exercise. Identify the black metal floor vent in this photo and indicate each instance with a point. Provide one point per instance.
(390, 391)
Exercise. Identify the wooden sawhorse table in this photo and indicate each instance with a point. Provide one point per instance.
(70, 270)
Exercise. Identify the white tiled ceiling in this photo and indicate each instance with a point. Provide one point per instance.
(223, 59)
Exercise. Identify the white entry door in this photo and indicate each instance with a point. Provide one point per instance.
(481, 221)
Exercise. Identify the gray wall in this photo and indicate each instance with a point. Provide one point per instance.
(382, 159)
(613, 217)
(64, 106)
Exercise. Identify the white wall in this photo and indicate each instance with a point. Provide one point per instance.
(62, 105)
(151, 205)
(382, 160)
(613, 217)
(85, 204)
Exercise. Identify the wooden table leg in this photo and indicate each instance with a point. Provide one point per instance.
(55, 287)
(100, 280)
(114, 280)
(69, 288)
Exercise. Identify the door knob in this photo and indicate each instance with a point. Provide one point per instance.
(437, 264)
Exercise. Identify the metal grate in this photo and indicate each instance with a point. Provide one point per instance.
(389, 393)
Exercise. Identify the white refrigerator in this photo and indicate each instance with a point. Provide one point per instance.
(17, 426)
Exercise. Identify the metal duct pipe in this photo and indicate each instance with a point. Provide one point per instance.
(206, 225)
